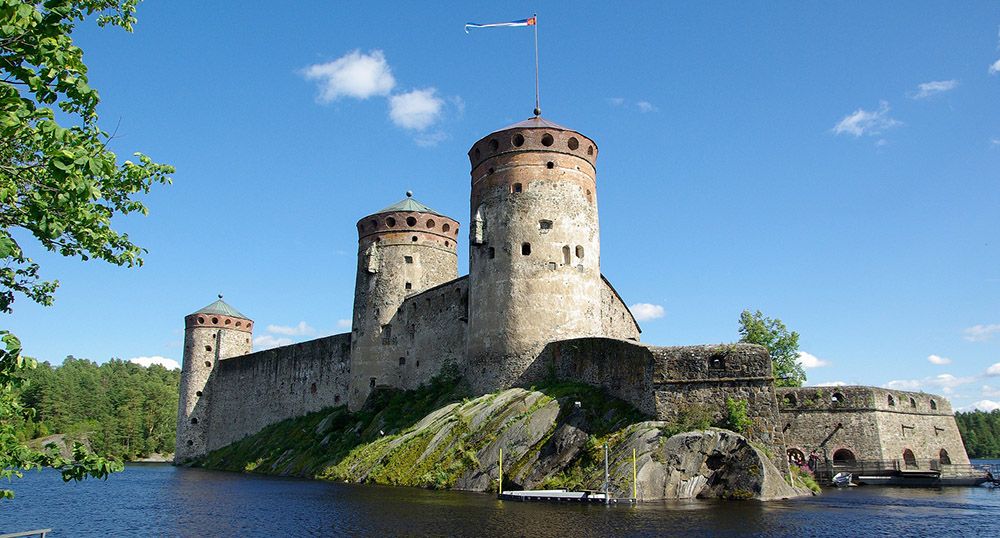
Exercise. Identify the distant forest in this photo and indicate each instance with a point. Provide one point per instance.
(124, 409)
(981, 433)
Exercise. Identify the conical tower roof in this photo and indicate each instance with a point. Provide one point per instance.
(407, 204)
(535, 122)
(221, 308)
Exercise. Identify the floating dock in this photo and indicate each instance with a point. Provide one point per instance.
(555, 495)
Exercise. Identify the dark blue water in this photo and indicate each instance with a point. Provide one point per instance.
(160, 500)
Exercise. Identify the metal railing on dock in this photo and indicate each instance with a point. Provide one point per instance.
(825, 471)
(40, 533)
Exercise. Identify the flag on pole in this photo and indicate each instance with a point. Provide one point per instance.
(530, 21)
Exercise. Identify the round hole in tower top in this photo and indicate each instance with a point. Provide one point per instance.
(228, 321)
(590, 150)
(494, 144)
(573, 143)
(201, 319)
(547, 139)
(414, 239)
(390, 222)
(517, 140)
(238, 324)
(445, 227)
(430, 223)
(550, 165)
(410, 221)
(215, 320)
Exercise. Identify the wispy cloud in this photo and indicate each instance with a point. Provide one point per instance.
(946, 383)
(301, 329)
(267, 341)
(928, 89)
(995, 67)
(355, 74)
(647, 311)
(343, 324)
(616, 101)
(989, 392)
(993, 370)
(169, 364)
(981, 405)
(935, 359)
(866, 122)
(981, 333)
(646, 106)
(808, 360)
(417, 109)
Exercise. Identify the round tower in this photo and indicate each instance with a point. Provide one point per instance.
(214, 333)
(403, 249)
(534, 255)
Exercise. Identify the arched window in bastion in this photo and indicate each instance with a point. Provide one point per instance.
(789, 400)
(913, 403)
(796, 457)
(909, 460)
(837, 398)
(478, 227)
(891, 400)
(566, 255)
(933, 404)
(944, 457)
(843, 456)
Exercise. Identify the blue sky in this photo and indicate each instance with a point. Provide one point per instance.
(833, 165)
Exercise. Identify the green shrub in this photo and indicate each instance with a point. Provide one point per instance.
(736, 416)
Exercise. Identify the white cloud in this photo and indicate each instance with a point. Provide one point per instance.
(864, 122)
(343, 324)
(355, 74)
(990, 392)
(426, 140)
(946, 383)
(935, 359)
(647, 311)
(935, 87)
(995, 67)
(994, 370)
(995, 141)
(266, 341)
(169, 364)
(646, 106)
(808, 360)
(981, 405)
(301, 329)
(831, 384)
(416, 110)
(981, 333)
(616, 101)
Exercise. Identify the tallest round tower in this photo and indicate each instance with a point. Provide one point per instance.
(534, 255)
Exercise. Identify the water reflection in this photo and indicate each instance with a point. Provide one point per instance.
(159, 500)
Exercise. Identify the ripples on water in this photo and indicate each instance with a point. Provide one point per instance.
(160, 500)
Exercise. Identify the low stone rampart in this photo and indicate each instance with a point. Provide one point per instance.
(250, 392)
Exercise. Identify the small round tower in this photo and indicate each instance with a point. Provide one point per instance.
(213, 333)
(403, 249)
(534, 255)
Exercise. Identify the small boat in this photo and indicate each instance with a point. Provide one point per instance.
(842, 480)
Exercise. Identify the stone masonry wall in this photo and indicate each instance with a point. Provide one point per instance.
(873, 423)
(616, 319)
(666, 381)
(250, 392)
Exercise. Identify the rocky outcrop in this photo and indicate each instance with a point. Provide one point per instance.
(549, 439)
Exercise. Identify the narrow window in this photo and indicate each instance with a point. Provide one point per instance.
(336, 398)
(579, 251)
(892, 401)
(208, 348)
(492, 253)
(566, 255)
(933, 404)
(550, 165)
(371, 382)
(194, 420)
(515, 187)
(526, 249)
(408, 259)
(545, 225)
(402, 361)
(386, 334)
(478, 228)
(913, 403)
(409, 285)
(312, 388)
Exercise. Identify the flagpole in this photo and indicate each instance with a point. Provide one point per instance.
(538, 106)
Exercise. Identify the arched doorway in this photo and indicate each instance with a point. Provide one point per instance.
(943, 456)
(796, 457)
(909, 459)
(843, 457)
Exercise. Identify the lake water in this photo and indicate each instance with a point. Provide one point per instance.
(161, 500)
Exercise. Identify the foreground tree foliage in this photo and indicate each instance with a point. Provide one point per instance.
(59, 183)
(981, 433)
(756, 328)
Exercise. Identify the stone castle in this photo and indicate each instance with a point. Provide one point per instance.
(533, 307)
